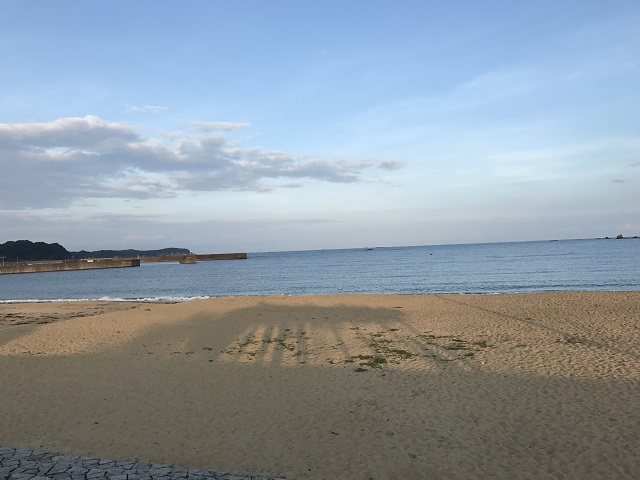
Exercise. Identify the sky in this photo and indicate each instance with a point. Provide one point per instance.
(225, 126)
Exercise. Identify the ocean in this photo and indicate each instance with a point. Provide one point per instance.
(594, 264)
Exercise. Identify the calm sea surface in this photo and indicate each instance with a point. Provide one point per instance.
(477, 268)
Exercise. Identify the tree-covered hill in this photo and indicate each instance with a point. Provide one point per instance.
(27, 250)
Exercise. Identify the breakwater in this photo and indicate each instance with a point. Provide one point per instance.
(198, 257)
(96, 263)
(68, 265)
(222, 256)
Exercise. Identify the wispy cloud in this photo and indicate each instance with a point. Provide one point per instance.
(58, 162)
(570, 160)
(216, 126)
(153, 109)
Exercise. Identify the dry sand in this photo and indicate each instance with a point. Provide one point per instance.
(468, 386)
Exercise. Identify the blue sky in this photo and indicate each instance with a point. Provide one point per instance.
(286, 125)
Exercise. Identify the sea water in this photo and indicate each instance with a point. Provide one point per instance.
(596, 264)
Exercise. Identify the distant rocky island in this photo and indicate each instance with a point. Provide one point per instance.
(28, 250)
(620, 237)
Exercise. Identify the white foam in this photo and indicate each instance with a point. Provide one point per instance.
(163, 299)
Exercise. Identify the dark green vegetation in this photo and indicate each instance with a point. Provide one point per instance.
(428, 346)
(443, 348)
(28, 250)
(379, 350)
(371, 361)
(287, 340)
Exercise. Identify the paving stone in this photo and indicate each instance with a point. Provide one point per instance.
(22, 452)
(26, 470)
(28, 464)
(78, 470)
(36, 455)
(5, 472)
(64, 476)
(44, 469)
(161, 470)
(117, 471)
(196, 471)
(96, 473)
(65, 458)
(21, 476)
(141, 467)
(57, 468)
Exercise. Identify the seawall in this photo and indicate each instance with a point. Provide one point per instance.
(222, 256)
(69, 265)
(95, 263)
(203, 257)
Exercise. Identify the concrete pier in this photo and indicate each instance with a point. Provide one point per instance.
(203, 257)
(95, 263)
(68, 265)
(222, 256)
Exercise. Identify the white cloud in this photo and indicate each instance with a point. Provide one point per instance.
(55, 163)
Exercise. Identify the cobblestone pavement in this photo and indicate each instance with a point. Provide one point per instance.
(26, 464)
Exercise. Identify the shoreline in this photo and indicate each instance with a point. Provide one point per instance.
(333, 386)
(183, 299)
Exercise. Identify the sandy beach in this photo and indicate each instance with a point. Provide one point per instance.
(543, 385)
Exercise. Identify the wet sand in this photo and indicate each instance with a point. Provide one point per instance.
(343, 386)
